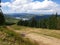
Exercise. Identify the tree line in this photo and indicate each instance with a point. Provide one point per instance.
(53, 22)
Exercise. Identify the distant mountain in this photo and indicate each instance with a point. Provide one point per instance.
(20, 15)
(26, 16)
(41, 17)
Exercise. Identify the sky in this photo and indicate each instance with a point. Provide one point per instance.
(31, 6)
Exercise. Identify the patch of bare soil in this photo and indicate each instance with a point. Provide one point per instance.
(46, 40)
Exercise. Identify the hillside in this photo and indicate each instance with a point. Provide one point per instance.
(30, 32)
(41, 36)
(9, 37)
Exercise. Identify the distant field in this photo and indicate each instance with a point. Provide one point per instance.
(47, 32)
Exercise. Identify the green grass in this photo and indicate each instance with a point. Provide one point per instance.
(16, 27)
(9, 37)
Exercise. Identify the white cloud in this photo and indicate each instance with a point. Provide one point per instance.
(30, 6)
(20, 2)
(5, 4)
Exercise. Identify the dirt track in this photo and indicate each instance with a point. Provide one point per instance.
(46, 40)
(41, 39)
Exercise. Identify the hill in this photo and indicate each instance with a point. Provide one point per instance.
(9, 37)
(41, 36)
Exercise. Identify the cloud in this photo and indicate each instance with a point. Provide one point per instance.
(30, 6)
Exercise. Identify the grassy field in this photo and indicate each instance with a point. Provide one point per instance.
(9, 37)
(47, 32)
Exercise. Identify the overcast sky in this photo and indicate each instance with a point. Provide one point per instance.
(31, 6)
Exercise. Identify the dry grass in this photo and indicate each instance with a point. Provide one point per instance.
(47, 32)
(9, 37)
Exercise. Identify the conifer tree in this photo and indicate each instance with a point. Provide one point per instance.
(2, 19)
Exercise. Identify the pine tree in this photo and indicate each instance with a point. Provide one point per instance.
(52, 22)
(2, 19)
(33, 22)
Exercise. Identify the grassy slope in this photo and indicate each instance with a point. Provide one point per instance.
(47, 32)
(9, 37)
